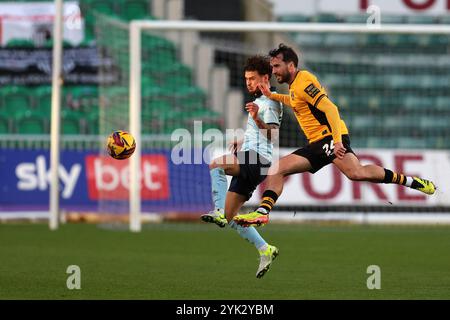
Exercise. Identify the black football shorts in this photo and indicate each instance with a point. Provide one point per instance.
(252, 171)
(320, 153)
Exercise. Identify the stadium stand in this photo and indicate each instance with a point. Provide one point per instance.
(383, 97)
(169, 101)
(365, 83)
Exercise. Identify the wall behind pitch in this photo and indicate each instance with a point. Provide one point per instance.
(330, 187)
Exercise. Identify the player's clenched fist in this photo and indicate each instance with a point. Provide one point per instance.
(252, 108)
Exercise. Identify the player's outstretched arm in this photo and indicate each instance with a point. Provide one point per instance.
(265, 90)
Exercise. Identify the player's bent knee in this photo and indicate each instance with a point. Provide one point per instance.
(355, 175)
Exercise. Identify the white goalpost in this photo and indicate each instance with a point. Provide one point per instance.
(137, 27)
(56, 115)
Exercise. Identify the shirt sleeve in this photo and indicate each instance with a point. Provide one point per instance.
(273, 113)
(283, 98)
(311, 91)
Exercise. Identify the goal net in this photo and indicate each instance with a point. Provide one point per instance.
(390, 83)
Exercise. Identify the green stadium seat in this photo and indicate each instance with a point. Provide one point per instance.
(336, 80)
(16, 98)
(420, 19)
(325, 18)
(392, 19)
(399, 40)
(443, 103)
(187, 98)
(5, 123)
(70, 122)
(439, 40)
(371, 40)
(417, 103)
(381, 142)
(341, 40)
(92, 122)
(152, 108)
(155, 115)
(361, 122)
(411, 143)
(357, 18)
(299, 18)
(204, 114)
(170, 76)
(89, 25)
(434, 122)
(43, 97)
(402, 81)
(134, 9)
(103, 6)
(31, 122)
(84, 98)
(157, 50)
(398, 121)
(445, 19)
(20, 43)
(150, 93)
(308, 39)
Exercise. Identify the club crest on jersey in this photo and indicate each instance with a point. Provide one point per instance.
(312, 91)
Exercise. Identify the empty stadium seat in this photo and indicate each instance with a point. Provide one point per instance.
(443, 103)
(43, 98)
(444, 19)
(5, 126)
(411, 143)
(71, 122)
(392, 19)
(134, 9)
(294, 18)
(31, 122)
(356, 18)
(103, 6)
(20, 43)
(15, 98)
(421, 19)
(325, 18)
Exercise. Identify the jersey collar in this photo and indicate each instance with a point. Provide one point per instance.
(296, 75)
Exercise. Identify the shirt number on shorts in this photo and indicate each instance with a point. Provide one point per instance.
(328, 148)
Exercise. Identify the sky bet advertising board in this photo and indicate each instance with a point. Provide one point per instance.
(93, 182)
(89, 182)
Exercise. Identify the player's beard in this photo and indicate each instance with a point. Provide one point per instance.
(284, 78)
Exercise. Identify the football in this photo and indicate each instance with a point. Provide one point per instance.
(120, 145)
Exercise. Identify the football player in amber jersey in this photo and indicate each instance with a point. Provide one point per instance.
(327, 134)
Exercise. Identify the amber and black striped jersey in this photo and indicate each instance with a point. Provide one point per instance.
(317, 115)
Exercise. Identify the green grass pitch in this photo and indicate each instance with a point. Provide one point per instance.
(202, 261)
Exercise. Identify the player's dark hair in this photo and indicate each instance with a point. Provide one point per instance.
(288, 54)
(260, 64)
